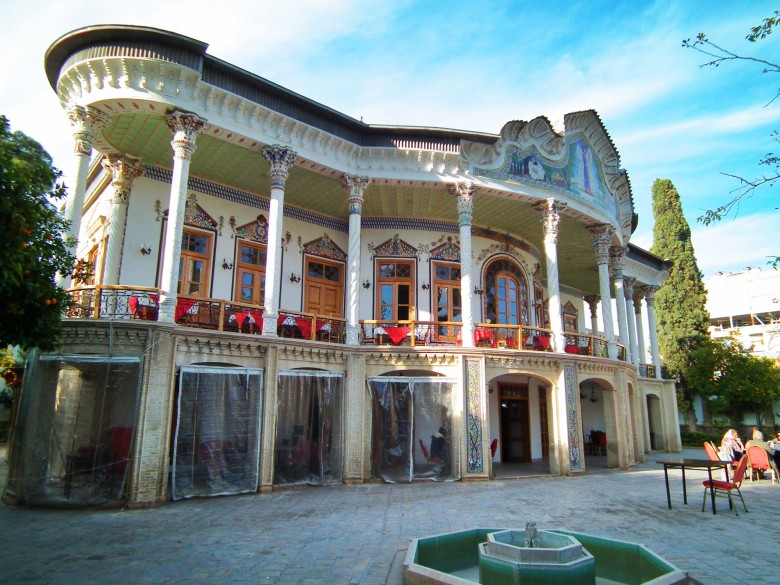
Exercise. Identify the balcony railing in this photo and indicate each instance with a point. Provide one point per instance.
(124, 302)
(142, 303)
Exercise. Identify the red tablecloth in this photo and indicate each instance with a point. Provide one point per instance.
(397, 334)
(183, 306)
(543, 342)
(571, 349)
(305, 326)
(484, 336)
(135, 300)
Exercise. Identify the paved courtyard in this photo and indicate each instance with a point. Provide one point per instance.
(360, 534)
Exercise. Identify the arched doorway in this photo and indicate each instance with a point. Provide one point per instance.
(519, 423)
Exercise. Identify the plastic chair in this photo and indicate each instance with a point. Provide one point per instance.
(726, 487)
(759, 461)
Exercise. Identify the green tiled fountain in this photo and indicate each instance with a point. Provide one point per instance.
(534, 557)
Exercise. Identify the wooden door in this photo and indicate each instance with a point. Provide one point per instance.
(324, 288)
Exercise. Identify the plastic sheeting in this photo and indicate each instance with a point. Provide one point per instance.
(407, 415)
(75, 430)
(308, 427)
(217, 442)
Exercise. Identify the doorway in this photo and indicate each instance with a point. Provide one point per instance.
(515, 423)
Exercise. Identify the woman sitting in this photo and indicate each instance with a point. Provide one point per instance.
(731, 447)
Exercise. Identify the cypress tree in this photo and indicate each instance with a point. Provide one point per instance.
(680, 303)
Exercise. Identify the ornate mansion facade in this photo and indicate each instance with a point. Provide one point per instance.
(283, 294)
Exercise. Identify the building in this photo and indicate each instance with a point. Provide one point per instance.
(280, 293)
(746, 305)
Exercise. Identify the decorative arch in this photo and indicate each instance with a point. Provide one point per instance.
(324, 248)
(395, 247)
(256, 230)
(447, 252)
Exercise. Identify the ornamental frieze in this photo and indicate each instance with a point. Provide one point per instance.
(395, 247)
(324, 248)
(256, 230)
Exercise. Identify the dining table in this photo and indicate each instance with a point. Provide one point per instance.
(685, 463)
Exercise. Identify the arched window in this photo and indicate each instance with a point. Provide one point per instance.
(506, 294)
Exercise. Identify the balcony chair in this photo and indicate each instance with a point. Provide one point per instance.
(726, 487)
(759, 462)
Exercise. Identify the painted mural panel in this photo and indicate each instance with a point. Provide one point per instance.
(578, 174)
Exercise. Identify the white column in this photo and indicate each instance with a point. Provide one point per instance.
(465, 191)
(552, 216)
(593, 305)
(123, 171)
(651, 328)
(185, 127)
(85, 122)
(640, 333)
(628, 290)
(356, 187)
(618, 254)
(602, 238)
(281, 159)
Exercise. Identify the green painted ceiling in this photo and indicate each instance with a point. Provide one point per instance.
(148, 138)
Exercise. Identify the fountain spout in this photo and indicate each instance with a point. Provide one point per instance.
(531, 535)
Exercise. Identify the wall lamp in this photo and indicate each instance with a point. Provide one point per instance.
(479, 291)
(146, 249)
(295, 278)
(366, 284)
(226, 266)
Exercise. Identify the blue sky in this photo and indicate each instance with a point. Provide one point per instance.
(475, 66)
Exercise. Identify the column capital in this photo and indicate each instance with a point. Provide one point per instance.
(638, 296)
(593, 304)
(649, 293)
(85, 122)
(628, 287)
(465, 192)
(356, 188)
(123, 172)
(602, 238)
(616, 255)
(551, 213)
(185, 127)
(281, 159)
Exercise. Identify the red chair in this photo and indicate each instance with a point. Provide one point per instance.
(493, 448)
(726, 487)
(712, 452)
(759, 461)
(427, 454)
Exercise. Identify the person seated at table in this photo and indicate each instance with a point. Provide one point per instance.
(770, 451)
(440, 448)
(775, 445)
(731, 447)
(756, 435)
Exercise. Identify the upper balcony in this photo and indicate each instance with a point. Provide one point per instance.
(142, 303)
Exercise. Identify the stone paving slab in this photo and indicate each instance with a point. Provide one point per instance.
(359, 534)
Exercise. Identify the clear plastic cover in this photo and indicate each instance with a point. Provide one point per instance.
(412, 434)
(217, 443)
(75, 431)
(308, 427)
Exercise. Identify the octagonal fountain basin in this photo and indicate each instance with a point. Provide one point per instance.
(503, 557)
